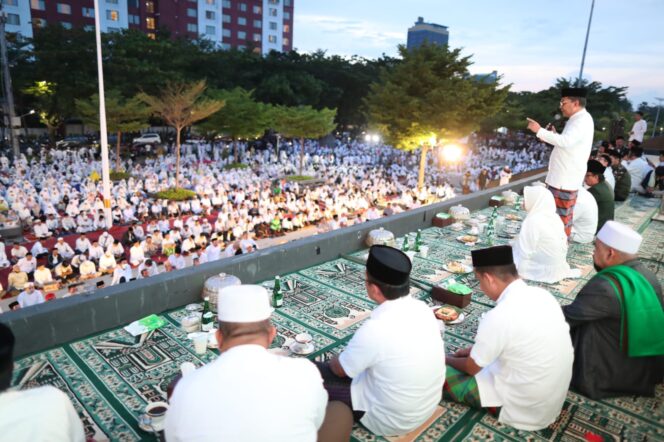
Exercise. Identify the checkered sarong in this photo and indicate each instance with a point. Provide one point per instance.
(461, 387)
(565, 202)
(338, 389)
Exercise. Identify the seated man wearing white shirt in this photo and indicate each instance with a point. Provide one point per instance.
(238, 396)
(42, 413)
(585, 218)
(396, 377)
(38, 250)
(522, 357)
(40, 229)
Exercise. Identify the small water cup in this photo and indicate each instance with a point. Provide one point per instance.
(424, 251)
(200, 343)
(155, 415)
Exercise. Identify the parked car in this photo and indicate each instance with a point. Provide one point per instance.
(73, 141)
(148, 138)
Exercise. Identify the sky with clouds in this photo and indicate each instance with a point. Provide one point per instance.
(530, 43)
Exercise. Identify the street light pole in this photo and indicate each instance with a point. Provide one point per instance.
(9, 94)
(659, 106)
(585, 45)
(105, 175)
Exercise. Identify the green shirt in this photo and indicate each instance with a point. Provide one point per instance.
(623, 182)
(605, 206)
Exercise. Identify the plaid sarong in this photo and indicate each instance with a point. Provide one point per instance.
(461, 387)
(565, 202)
(338, 389)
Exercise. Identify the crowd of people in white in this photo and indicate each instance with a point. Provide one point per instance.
(58, 193)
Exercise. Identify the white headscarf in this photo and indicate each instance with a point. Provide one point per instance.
(540, 250)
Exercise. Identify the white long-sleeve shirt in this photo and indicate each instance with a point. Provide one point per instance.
(571, 150)
(638, 131)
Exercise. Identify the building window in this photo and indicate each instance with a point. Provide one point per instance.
(11, 2)
(273, 25)
(110, 29)
(241, 47)
(39, 22)
(89, 28)
(226, 4)
(132, 4)
(273, 2)
(37, 4)
(257, 9)
(242, 7)
(272, 38)
(134, 19)
(257, 24)
(257, 37)
(191, 12)
(115, 2)
(149, 7)
(88, 12)
(211, 2)
(241, 35)
(226, 18)
(286, 29)
(64, 8)
(273, 12)
(225, 46)
(13, 19)
(149, 23)
(191, 27)
(286, 2)
(152, 36)
(65, 24)
(286, 41)
(209, 15)
(241, 21)
(226, 32)
(112, 15)
(210, 30)
(286, 15)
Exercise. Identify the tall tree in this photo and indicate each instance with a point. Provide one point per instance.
(241, 116)
(430, 94)
(122, 115)
(45, 98)
(302, 122)
(181, 105)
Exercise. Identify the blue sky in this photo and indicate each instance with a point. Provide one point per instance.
(531, 43)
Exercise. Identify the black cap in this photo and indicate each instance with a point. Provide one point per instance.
(388, 265)
(493, 256)
(573, 92)
(595, 167)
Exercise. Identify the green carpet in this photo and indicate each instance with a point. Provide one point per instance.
(111, 376)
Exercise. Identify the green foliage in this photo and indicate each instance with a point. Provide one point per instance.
(122, 115)
(299, 178)
(241, 116)
(118, 175)
(176, 194)
(430, 93)
(233, 166)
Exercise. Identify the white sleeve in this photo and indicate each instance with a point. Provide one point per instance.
(490, 340)
(362, 351)
(565, 140)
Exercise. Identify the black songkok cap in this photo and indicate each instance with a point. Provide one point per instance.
(388, 265)
(493, 256)
(573, 92)
(595, 167)
(6, 347)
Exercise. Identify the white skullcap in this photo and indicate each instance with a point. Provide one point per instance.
(620, 237)
(243, 303)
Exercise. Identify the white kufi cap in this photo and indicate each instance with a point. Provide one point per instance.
(243, 303)
(620, 237)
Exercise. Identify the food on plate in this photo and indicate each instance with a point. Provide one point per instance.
(468, 238)
(512, 217)
(456, 267)
(447, 314)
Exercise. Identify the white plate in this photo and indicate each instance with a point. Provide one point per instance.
(458, 238)
(459, 320)
(149, 429)
(466, 269)
(302, 350)
(194, 308)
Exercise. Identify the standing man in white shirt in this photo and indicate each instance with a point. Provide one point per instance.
(639, 128)
(571, 150)
(42, 413)
(391, 379)
(247, 393)
(522, 357)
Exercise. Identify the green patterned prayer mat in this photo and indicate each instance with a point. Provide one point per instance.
(110, 377)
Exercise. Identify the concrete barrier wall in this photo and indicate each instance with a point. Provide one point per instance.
(54, 323)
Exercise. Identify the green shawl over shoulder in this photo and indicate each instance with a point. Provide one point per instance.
(642, 316)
